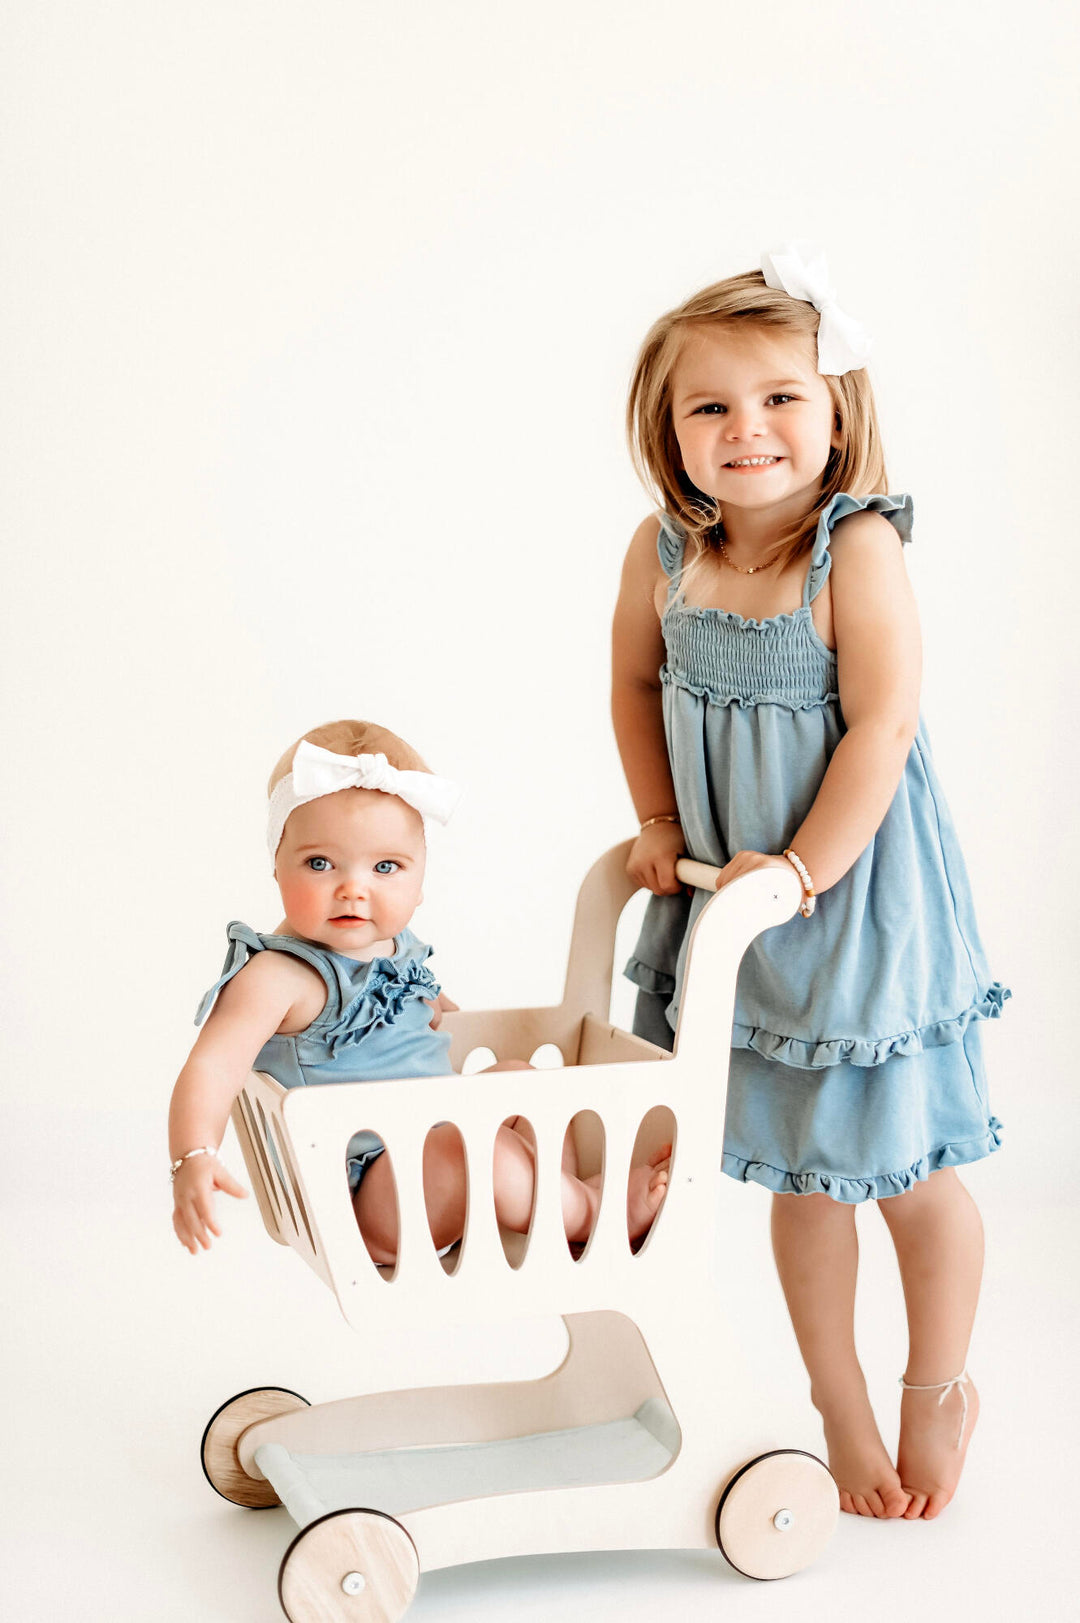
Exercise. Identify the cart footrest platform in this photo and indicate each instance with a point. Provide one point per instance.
(404, 1479)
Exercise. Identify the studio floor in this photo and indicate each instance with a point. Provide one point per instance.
(120, 1346)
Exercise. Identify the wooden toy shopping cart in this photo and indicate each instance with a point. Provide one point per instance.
(633, 1442)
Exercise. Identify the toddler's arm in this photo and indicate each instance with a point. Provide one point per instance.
(250, 1008)
(879, 665)
(637, 653)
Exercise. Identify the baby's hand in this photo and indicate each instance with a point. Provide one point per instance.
(193, 1199)
(653, 857)
(440, 1006)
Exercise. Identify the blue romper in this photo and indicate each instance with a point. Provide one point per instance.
(856, 1067)
(374, 1026)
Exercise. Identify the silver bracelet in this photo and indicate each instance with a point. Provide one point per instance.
(204, 1149)
(809, 901)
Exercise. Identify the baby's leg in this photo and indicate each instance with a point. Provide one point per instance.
(514, 1178)
(817, 1254)
(580, 1196)
(938, 1236)
(375, 1202)
(514, 1183)
(375, 1205)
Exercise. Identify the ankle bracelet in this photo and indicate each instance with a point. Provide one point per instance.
(945, 1387)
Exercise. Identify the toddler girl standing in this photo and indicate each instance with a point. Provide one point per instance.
(766, 707)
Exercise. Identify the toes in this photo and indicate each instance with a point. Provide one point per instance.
(896, 1501)
(916, 1507)
(875, 1503)
(847, 1503)
(861, 1506)
(935, 1505)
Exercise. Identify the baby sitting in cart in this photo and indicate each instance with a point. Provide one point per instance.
(341, 992)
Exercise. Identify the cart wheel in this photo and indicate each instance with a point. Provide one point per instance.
(777, 1514)
(353, 1566)
(220, 1463)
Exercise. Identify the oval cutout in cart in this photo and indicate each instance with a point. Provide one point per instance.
(373, 1188)
(477, 1059)
(548, 1057)
(653, 1154)
(583, 1160)
(513, 1179)
(446, 1191)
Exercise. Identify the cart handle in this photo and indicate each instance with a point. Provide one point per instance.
(699, 874)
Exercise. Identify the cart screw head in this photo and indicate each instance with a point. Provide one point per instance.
(354, 1583)
(783, 1520)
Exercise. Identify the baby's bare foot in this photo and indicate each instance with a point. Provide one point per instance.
(863, 1471)
(928, 1460)
(645, 1192)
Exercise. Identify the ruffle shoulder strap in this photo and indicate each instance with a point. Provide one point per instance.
(670, 545)
(243, 943)
(897, 509)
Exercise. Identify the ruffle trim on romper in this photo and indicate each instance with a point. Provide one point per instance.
(648, 978)
(389, 987)
(851, 1191)
(863, 1051)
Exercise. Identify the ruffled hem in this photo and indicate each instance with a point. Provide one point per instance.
(648, 978)
(868, 1051)
(851, 1191)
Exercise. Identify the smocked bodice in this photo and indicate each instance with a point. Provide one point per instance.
(721, 656)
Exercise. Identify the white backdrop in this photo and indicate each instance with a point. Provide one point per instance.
(318, 319)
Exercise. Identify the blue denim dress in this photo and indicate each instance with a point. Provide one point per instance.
(375, 1024)
(856, 1067)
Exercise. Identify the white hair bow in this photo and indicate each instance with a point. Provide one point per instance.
(801, 269)
(317, 772)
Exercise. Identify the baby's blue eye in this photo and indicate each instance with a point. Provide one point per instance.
(319, 864)
(386, 866)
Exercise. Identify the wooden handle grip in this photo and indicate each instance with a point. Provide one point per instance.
(696, 873)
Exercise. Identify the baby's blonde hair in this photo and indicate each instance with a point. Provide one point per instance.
(742, 303)
(352, 738)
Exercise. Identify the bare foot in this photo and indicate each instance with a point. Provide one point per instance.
(928, 1460)
(864, 1473)
(645, 1191)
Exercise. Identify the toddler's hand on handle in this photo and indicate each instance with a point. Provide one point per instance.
(193, 1200)
(653, 857)
(745, 862)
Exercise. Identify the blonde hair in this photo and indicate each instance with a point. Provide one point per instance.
(742, 303)
(352, 738)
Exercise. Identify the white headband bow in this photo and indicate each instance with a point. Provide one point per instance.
(801, 269)
(317, 772)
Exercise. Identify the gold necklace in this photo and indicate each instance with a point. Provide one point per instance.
(726, 559)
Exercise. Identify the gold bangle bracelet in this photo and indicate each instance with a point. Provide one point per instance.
(664, 817)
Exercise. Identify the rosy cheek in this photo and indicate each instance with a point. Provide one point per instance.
(296, 894)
